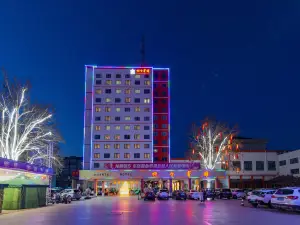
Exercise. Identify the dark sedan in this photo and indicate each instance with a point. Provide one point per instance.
(149, 196)
(180, 195)
(225, 193)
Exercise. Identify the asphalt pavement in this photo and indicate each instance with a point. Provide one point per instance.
(131, 211)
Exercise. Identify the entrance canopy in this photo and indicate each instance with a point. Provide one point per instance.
(148, 174)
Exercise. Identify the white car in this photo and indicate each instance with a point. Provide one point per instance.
(194, 195)
(238, 193)
(163, 194)
(287, 198)
(74, 194)
(254, 198)
(265, 197)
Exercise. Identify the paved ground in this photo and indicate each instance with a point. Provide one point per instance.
(130, 211)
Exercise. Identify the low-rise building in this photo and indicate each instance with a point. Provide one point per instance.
(289, 163)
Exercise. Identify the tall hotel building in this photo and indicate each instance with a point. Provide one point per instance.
(127, 116)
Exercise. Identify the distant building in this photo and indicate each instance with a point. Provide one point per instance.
(70, 171)
(289, 163)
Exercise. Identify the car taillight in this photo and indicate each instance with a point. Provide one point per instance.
(273, 196)
(292, 197)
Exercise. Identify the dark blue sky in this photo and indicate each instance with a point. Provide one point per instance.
(235, 60)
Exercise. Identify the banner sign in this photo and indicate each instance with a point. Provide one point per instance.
(154, 166)
(27, 167)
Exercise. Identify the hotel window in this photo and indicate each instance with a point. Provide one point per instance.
(97, 118)
(154, 117)
(137, 118)
(127, 127)
(96, 165)
(118, 82)
(146, 136)
(164, 110)
(137, 146)
(136, 127)
(127, 100)
(164, 126)
(260, 165)
(117, 100)
(294, 160)
(137, 91)
(236, 165)
(108, 82)
(108, 75)
(127, 109)
(127, 82)
(136, 155)
(118, 109)
(146, 127)
(117, 136)
(155, 142)
(164, 85)
(164, 117)
(164, 159)
(282, 163)
(106, 155)
(137, 82)
(137, 109)
(271, 165)
(97, 137)
(164, 101)
(106, 146)
(137, 136)
(146, 118)
(155, 93)
(147, 82)
(248, 165)
(127, 75)
(98, 75)
(97, 109)
(154, 85)
(126, 155)
(107, 118)
(116, 155)
(97, 127)
(164, 150)
(98, 82)
(117, 127)
(137, 76)
(116, 146)
(127, 136)
(117, 118)
(146, 155)
(126, 146)
(146, 91)
(155, 126)
(107, 91)
(147, 100)
(118, 76)
(155, 133)
(108, 100)
(96, 155)
(127, 91)
(96, 146)
(107, 109)
(294, 171)
(146, 109)
(137, 100)
(127, 117)
(164, 133)
(107, 127)
(107, 137)
(146, 145)
(98, 91)
(118, 91)
(146, 76)
(98, 99)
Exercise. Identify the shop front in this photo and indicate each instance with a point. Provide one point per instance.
(124, 178)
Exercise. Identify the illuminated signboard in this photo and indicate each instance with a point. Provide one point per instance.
(206, 174)
(172, 174)
(189, 173)
(154, 174)
(140, 71)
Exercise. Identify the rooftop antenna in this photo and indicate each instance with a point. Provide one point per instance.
(143, 51)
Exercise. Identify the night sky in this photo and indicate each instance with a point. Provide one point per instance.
(235, 60)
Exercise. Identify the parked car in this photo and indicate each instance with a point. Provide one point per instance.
(265, 197)
(210, 195)
(194, 195)
(238, 193)
(180, 195)
(163, 194)
(225, 193)
(74, 194)
(149, 196)
(287, 198)
(254, 198)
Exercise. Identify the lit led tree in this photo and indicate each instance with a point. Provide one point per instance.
(25, 130)
(214, 142)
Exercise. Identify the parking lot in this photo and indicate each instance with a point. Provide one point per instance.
(130, 210)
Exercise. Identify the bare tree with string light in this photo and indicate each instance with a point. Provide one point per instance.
(213, 142)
